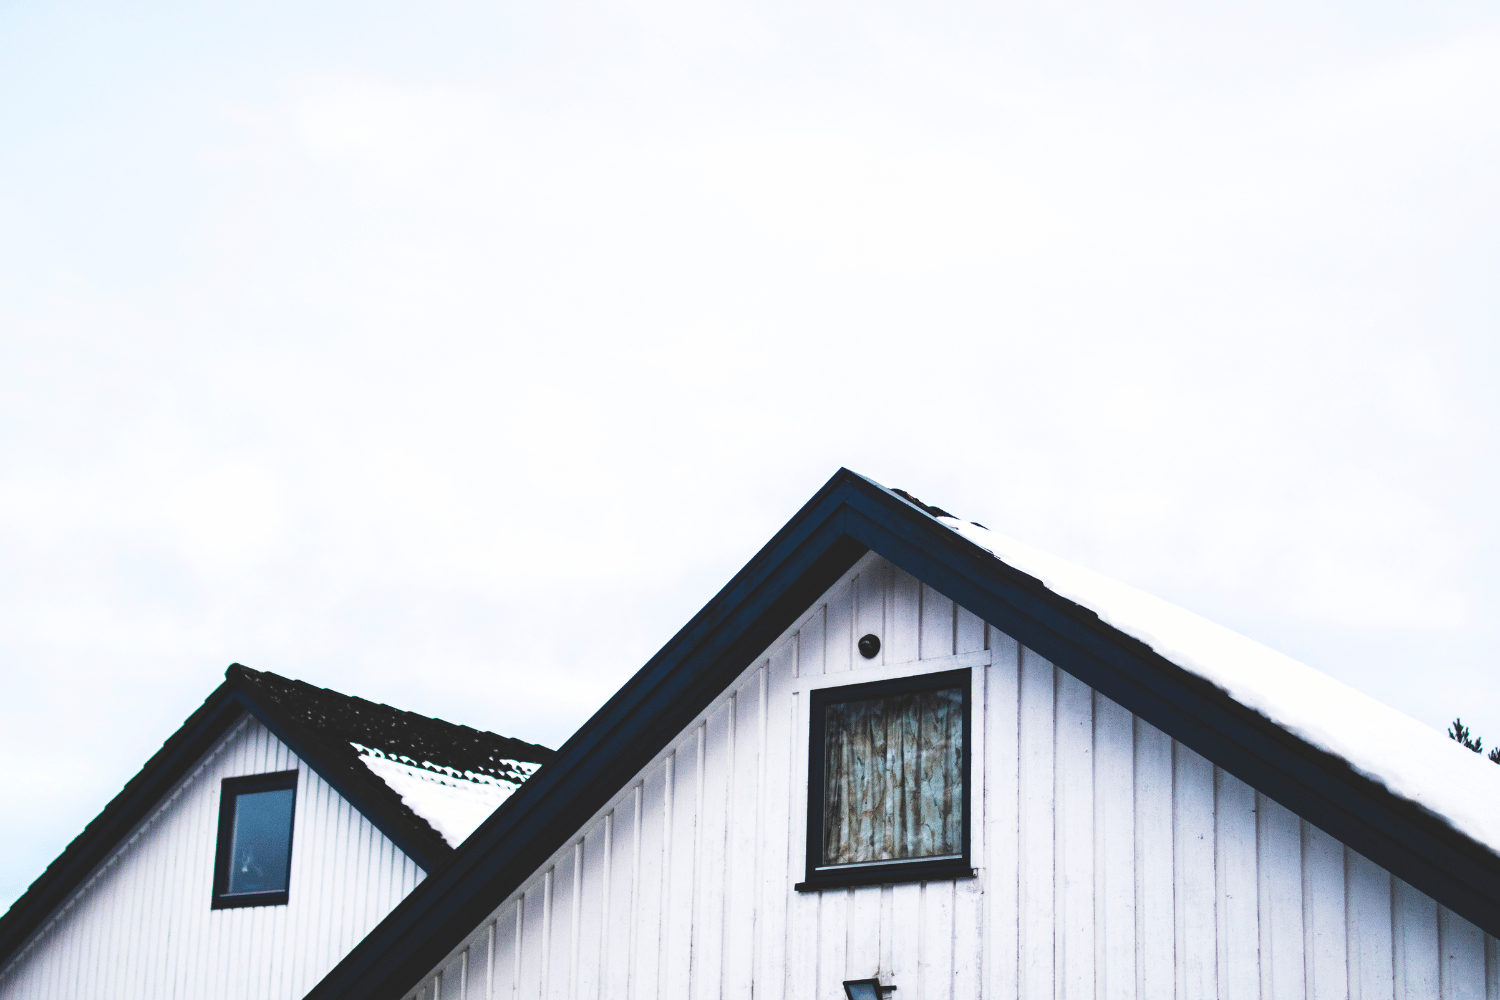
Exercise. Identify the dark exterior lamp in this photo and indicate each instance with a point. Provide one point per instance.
(865, 989)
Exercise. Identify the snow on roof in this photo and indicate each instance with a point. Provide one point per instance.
(454, 802)
(1410, 759)
(446, 778)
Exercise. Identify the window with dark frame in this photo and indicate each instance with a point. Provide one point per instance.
(888, 782)
(253, 865)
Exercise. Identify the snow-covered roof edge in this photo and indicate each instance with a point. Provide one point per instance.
(453, 802)
(1410, 759)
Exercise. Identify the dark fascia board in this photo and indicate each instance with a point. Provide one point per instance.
(166, 767)
(803, 559)
(847, 517)
(118, 818)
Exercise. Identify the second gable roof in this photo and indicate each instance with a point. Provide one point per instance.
(321, 727)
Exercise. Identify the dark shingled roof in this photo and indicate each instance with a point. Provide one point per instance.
(341, 719)
(318, 725)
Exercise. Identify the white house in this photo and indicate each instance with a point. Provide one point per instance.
(898, 752)
(264, 840)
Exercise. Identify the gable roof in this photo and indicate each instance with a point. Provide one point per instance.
(321, 727)
(849, 516)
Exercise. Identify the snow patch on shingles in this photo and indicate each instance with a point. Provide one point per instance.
(1411, 759)
(453, 802)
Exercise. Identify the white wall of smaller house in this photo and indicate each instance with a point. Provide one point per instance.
(1113, 861)
(141, 925)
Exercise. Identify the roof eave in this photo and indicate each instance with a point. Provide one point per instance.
(118, 818)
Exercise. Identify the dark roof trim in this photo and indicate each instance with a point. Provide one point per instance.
(178, 755)
(358, 785)
(804, 559)
(135, 800)
(847, 517)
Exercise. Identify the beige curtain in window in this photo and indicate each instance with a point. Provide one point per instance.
(893, 778)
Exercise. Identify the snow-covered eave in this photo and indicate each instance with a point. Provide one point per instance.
(1409, 759)
(454, 803)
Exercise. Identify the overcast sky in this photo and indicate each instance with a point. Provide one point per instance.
(453, 354)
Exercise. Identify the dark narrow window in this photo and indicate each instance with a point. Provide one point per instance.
(888, 782)
(254, 862)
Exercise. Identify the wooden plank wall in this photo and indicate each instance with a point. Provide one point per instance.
(1115, 863)
(141, 926)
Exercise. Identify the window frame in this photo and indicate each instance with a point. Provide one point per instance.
(882, 872)
(230, 789)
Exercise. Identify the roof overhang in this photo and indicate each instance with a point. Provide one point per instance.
(849, 516)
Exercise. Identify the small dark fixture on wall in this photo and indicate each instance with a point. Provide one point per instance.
(865, 989)
(869, 646)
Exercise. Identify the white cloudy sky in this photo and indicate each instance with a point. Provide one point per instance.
(454, 353)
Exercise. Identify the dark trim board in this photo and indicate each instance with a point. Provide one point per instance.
(142, 792)
(896, 875)
(805, 558)
(847, 517)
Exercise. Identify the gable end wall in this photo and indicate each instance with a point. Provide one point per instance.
(1113, 861)
(140, 926)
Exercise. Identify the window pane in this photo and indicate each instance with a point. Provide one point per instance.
(262, 842)
(893, 778)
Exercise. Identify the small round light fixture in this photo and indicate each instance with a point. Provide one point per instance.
(869, 646)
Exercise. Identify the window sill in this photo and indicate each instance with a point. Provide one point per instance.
(250, 899)
(886, 875)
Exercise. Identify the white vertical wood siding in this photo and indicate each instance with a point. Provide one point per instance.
(141, 926)
(1114, 862)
